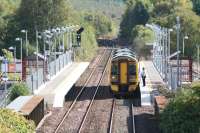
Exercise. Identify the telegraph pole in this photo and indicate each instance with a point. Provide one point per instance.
(178, 60)
(37, 49)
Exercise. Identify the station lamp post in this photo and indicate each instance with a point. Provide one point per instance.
(55, 34)
(178, 26)
(46, 35)
(26, 32)
(64, 30)
(184, 38)
(20, 39)
(169, 41)
(13, 49)
(37, 51)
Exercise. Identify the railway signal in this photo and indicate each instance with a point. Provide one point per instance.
(78, 36)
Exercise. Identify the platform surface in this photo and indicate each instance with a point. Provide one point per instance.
(55, 90)
(152, 78)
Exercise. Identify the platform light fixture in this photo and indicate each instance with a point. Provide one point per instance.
(20, 40)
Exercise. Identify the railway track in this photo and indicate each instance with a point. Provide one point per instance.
(99, 115)
(85, 98)
(89, 110)
(51, 123)
(122, 118)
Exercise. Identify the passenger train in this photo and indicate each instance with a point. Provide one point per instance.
(124, 73)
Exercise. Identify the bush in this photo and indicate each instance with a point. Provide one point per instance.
(182, 113)
(102, 24)
(19, 89)
(166, 92)
(196, 88)
(12, 122)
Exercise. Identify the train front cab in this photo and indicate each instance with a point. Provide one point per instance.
(124, 78)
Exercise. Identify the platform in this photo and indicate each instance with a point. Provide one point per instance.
(55, 90)
(152, 78)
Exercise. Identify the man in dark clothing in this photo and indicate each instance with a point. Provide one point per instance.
(143, 75)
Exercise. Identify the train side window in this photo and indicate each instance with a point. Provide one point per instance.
(132, 69)
(114, 69)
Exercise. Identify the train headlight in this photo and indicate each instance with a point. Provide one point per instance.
(114, 78)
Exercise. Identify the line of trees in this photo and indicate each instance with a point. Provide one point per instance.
(163, 13)
(40, 15)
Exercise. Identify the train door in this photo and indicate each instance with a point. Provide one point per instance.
(123, 72)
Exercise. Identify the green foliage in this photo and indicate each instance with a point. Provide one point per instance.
(18, 89)
(113, 9)
(196, 87)
(7, 9)
(88, 44)
(196, 6)
(143, 33)
(102, 24)
(42, 14)
(136, 14)
(8, 55)
(141, 36)
(165, 13)
(182, 113)
(11, 122)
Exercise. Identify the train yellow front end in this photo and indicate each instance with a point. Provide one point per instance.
(124, 75)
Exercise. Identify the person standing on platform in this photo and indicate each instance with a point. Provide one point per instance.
(143, 75)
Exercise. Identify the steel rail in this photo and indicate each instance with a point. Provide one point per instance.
(111, 117)
(133, 118)
(93, 98)
(79, 94)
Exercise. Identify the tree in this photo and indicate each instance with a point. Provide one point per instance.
(141, 36)
(196, 6)
(38, 15)
(165, 13)
(8, 55)
(7, 9)
(136, 14)
(18, 89)
(42, 14)
(100, 22)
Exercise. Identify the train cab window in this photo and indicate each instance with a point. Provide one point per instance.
(132, 69)
(115, 70)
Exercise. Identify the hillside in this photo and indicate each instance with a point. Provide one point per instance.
(111, 8)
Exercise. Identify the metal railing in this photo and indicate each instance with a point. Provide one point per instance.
(38, 78)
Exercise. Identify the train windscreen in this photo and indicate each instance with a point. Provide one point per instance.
(115, 70)
(132, 69)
